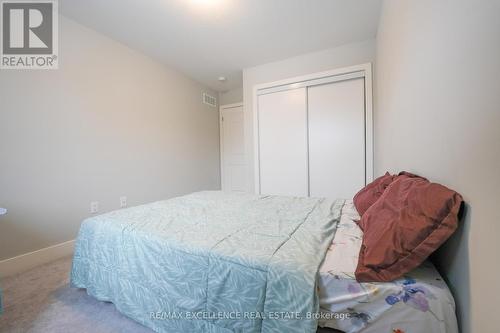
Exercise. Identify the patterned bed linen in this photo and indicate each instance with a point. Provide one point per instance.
(418, 303)
(196, 263)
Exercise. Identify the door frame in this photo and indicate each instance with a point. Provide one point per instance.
(339, 74)
(221, 138)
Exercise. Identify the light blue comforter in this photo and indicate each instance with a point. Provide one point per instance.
(210, 261)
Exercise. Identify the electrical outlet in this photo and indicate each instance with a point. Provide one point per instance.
(94, 207)
(123, 202)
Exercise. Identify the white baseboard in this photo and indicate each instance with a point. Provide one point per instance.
(29, 260)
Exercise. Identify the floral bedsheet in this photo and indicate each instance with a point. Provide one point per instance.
(417, 303)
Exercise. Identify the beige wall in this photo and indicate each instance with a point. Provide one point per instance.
(231, 96)
(438, 114)
(343, 56)
(109, 122)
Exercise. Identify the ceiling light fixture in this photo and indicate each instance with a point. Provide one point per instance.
(222, 79)
(206, 3)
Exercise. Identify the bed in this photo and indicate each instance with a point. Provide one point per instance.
(218, 262)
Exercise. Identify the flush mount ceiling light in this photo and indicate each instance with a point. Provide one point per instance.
(210, 9)
(222, 79)
(206, 3)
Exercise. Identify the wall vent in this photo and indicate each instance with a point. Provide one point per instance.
(210, 100)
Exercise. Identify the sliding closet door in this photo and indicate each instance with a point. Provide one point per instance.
(337, 138)
(283, 143)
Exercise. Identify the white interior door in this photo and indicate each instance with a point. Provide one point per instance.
(233, 149)
(282, 123)
(336, 113)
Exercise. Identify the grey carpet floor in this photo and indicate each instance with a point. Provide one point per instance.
(41, 301)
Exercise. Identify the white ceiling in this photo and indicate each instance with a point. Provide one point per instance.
(210, 38)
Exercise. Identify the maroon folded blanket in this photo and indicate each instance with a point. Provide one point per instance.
(411, 219)
(369, 194)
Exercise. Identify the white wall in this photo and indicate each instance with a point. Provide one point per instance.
(109, 122)
(438, 114)
(343, 56)
(231, 96)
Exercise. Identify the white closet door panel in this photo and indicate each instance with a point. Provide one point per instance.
(283, 143)
(337, 139)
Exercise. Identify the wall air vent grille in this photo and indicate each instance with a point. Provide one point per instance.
(210, 100)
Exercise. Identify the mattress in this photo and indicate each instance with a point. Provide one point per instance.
(420, 302)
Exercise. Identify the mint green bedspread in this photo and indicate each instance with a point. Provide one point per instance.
(210, 261)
